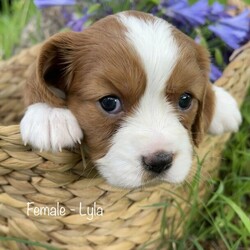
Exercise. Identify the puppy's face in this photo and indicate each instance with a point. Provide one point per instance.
(139, 90)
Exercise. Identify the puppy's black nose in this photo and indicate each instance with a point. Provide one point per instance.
(157, 162)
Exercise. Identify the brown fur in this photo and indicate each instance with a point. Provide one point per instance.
(191, 75)
(99, 62)
(88, 66)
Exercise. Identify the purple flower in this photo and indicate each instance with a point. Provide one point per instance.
(48, 3)
(231, 37)
(172, 8)
(196, 13)
(78, 24)
(217, 11)
(183, 12)
(215, 73)
(68, 15)
(233, 30)
(240, 22)
(74, 22)
(174, 3)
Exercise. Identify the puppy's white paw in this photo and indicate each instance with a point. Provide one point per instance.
(47, 128)
(227, 116)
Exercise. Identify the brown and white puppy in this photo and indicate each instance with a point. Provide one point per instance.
(139, 91)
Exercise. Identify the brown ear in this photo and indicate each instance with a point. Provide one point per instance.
(52, 72)
(206, 106)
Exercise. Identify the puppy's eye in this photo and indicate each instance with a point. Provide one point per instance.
(185, 101)
(111, 104)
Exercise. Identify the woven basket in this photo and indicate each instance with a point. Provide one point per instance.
(130, 218)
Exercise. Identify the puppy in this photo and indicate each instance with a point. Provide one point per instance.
(139, 91)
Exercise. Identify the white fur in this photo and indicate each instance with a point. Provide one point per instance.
(156, 46)
(47, 128)
(154, 125)
(227, 117)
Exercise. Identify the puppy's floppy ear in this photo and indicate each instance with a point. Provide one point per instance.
(48, 124)
(52, 71)
(206, 107)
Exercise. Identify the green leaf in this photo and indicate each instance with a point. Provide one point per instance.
(210, 2)
(192, 1)
(163, 222)
(222, 1)
(218, 57)
(197, 245)
(28, 242)
(203, 41)
(94, 8)
(156, 2)
(244, 218)
(218, 193)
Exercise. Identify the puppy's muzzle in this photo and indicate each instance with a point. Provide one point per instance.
(157, 162)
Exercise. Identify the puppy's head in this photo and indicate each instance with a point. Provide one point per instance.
(139, 89)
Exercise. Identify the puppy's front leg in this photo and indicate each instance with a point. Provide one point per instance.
(227, 116)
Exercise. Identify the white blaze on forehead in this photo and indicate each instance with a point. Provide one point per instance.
(156, 46)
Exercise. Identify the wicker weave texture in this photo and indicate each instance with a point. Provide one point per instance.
(128, 220)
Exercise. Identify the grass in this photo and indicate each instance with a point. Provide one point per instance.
(12, 21)
(28, 242)
(223, 221)
(229, 205)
